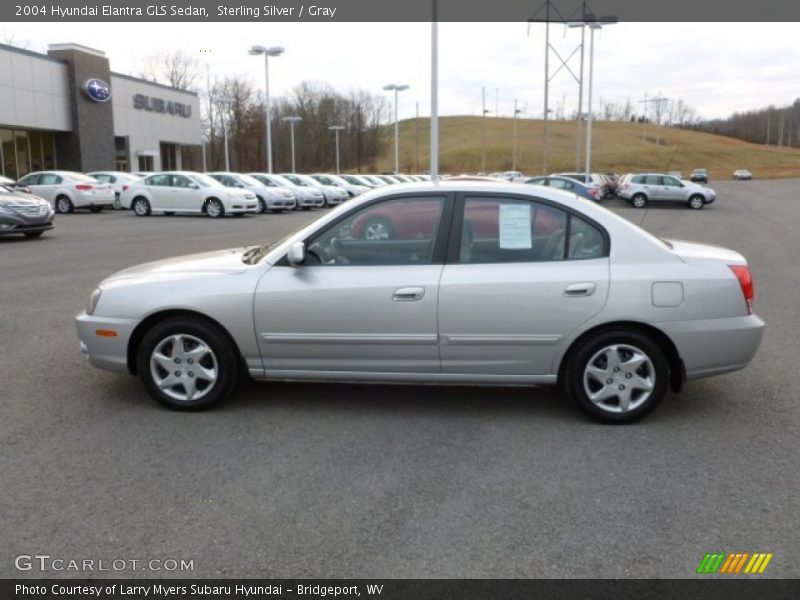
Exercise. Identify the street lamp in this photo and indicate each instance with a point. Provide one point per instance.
(267, 52)
(397, 89)
(336, 129)
(593, 24)
(226, 102)
(292, 120)
(514, 138)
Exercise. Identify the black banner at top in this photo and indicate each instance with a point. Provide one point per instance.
(265, 11)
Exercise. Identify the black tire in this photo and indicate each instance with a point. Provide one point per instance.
(170, 213)
(141, 207)
(96, 209)
(262, 206)
(214, 208)
(578, 361)
(224, 352)
(380, 223)
(639, 200)
(117, 204)
(696, 202)
(64, 205)
(33, 234)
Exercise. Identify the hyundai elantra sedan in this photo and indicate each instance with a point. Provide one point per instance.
(481, 283)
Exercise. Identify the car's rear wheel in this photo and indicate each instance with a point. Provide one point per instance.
(187, 363)
(64, 205)
(617, 376)
(141, 207)
(697, 202)
(214, 208)
(639, 200)
(378, 228)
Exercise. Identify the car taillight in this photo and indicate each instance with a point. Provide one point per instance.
(742, 273)
(593, 192)
(84, 187)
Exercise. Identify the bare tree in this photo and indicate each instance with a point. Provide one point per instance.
(177, 69)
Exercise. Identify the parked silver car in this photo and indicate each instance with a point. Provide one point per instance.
(477, 283)
(352, 189)
(24, 213)
(642, 188)
(269, 197)
(118, 180)
(173, 192)
(67, 190)
(308, 196)
(333, 195)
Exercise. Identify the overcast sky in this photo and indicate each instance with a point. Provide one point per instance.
(715, 68)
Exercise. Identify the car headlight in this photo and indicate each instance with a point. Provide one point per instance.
(93, 300)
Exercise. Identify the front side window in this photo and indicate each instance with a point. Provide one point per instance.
(30, 180)
(671, 182)
(394, 232)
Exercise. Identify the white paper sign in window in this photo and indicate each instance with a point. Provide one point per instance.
(515, 227)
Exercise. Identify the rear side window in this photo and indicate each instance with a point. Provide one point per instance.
(160, 180)
(637, 179)
(49, 179)
(652, 180)
(585, 240)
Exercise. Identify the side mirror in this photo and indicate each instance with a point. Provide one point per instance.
(194, 186)
(297, 254)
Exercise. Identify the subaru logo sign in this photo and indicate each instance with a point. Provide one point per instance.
(97, 90)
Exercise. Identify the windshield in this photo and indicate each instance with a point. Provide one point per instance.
(326, 179)
(205, 180)
(247, 180)
(297, 180)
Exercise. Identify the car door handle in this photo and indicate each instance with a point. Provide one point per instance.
(580, 289)
(408, 294)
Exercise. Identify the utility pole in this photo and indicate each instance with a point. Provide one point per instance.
(483, 160)
(546, 86)
(579, 132)
(416, 141)
(514, 138)
(496, 109)
(769, 125)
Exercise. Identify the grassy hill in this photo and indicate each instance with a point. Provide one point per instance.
(617, 147)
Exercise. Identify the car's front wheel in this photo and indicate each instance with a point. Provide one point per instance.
(214, 208)
(187, 363)
(639, 200)
(697, 202)
(262, 206)
(617, 376)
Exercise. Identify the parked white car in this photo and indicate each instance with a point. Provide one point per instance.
(67, 190)
(352, 189)
(333, 195)
(269, 197)
(186, 192)
(118, 180)
(360, 180)
(307, 196)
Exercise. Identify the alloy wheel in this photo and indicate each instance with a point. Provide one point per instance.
(619, 378)
(184, 367)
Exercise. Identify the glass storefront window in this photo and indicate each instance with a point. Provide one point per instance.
(48, 151)
(35, 142)
(9, 168)
(23, 153)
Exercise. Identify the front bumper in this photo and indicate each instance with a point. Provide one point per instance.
(715, 346)
(104, 350)
(15, 224)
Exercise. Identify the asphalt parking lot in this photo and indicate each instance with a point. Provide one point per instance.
(310, 480)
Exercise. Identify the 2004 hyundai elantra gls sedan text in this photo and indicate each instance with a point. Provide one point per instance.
(481, 283)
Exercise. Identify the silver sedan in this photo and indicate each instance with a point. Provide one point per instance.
(469, 283)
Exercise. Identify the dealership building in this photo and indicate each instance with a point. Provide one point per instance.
(67, 110)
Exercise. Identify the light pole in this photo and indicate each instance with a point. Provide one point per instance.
(336, 129)
(514, 136)
(292, 120)
(267, 52)
(593, 25)
(485, 112)
(397, 89)
(226, 102)
(434, 169)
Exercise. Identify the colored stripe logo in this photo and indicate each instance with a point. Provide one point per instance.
(735, 563)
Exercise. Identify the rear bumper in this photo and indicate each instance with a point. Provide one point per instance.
(105, 351)
(715, 346)
(88, 200)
